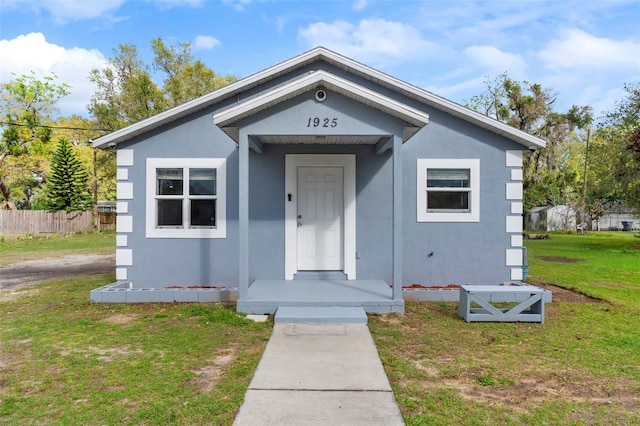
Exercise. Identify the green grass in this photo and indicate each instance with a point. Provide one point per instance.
(607, 264)
(580, 367)
(29, 247)
(66, 361)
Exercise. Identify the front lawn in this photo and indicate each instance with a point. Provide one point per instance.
(605, 265)
(64, 360)
(32, 247)
(580, 367)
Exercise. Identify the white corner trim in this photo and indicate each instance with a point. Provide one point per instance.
(121, 274)
(124, 157)
(220, 231)
(516, 174)
(514, 224)
(516, 274)
(514, 191)
(121, 240)
(124, 257)
(516, 240)
(514, 158)
(122, 207)
(122, 174)
(473, 164)
(516, 207)
(292, 162)
(124, 190)
(514, 257)
(124, 223)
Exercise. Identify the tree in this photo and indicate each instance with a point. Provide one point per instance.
(81, 132)
(67, 188)
(615, 154)
(28, 104)
(185, 77)
(127, 93)
(529, 107)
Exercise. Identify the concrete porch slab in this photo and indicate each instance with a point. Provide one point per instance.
(266, 296)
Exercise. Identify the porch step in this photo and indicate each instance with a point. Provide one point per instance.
(320, 315)
(320, 275)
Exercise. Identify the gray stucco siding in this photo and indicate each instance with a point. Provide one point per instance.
(161, 262)
(437, 253)
(292, 118)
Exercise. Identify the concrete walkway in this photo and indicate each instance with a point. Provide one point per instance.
(319, 374)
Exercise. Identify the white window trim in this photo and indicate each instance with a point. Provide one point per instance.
(220, 231)
(448, 163)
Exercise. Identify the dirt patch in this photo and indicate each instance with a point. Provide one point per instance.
(122, 318)
(559, 259)
(207, 377)
(522, 394)
(526, 392)
(560, 294)
(18, 275)
(11, 295)
(432, 287)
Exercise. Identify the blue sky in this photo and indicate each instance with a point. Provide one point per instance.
(583, 49)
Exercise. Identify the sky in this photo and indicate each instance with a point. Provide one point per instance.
(584, 50)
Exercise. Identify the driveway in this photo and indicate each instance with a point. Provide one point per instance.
(31, 272)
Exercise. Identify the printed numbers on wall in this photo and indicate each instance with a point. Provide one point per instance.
(322, 122)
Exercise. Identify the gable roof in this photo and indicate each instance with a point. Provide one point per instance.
(339, 61)
(416, 118)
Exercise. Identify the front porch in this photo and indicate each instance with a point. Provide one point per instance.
(265, 296)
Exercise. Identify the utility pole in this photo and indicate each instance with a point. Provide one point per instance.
(96, 224)
(584, 180)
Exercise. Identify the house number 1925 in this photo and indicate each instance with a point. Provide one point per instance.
(322, 122)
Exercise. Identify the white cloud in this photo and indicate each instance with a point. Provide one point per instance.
(581, 52)
(32, 52)
(373, 41)
(495, 61)
(205, 42)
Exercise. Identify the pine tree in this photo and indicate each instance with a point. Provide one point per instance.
(67, 187)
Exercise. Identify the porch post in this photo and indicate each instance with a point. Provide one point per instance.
(397, 218)
(243, 217)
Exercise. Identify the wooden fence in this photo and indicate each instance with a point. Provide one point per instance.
(45, 222)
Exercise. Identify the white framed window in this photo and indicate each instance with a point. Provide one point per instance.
(186, 198)
(448, 190)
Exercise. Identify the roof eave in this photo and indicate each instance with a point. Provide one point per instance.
(288, 66)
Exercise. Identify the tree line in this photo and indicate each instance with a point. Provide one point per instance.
(47, 161)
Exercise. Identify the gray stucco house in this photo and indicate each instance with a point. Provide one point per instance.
(319, 178)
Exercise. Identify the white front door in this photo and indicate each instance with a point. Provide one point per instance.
(320, 217)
